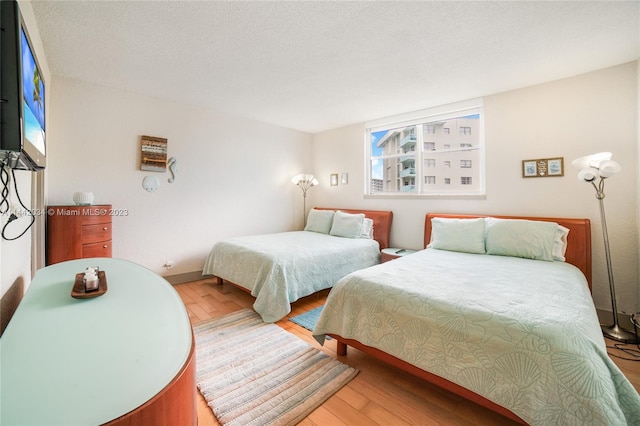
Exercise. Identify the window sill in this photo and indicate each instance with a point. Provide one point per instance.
(399, 196)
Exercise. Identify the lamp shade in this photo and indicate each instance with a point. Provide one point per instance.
(306, 179)
(592, 160)
(588, 174)
(609, 168)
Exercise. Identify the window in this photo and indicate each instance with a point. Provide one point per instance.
(396, 148)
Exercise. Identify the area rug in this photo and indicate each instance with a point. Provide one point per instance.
(309, 319)
(252, 373)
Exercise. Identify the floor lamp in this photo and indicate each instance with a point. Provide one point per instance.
(594, 169)
(305, 181)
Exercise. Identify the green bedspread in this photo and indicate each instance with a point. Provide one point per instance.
(280, 268)
(522, 333)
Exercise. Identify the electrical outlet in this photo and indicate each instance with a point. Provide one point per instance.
(168, 264)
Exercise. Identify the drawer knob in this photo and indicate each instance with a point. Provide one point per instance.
(105, 228)
(105, 246)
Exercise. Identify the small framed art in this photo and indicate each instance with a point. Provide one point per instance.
(334, 179)
(153, 154)
(543, 167)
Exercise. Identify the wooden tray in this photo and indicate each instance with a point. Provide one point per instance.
(79, 291)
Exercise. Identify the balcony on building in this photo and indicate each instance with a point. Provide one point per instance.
(408, 172)
(408, 141)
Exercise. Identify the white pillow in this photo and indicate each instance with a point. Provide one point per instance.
(464, 235)
(347, 225)
(367, 228)
(528, 239)
(319, 221)
(560, 243)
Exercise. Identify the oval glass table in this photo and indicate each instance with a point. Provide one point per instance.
(123, 358)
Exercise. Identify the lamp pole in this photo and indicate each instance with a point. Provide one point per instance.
(613, 331)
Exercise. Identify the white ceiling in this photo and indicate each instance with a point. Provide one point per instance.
(319, 65)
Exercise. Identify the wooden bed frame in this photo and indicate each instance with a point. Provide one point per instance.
(381, 230)
(578, 253)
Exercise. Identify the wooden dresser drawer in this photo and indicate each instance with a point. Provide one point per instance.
(102, 249)
(98, 214)
(96, 233)
(75, 232)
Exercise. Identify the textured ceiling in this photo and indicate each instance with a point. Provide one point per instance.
(315, 66)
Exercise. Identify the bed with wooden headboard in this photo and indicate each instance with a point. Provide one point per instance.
(578, 250)
(279, 268)
(517, 332)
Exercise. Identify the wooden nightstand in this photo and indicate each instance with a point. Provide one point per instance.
(393, 253)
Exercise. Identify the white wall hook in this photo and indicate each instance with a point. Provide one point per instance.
(172, 164)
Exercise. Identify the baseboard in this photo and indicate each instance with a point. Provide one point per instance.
(184, 277)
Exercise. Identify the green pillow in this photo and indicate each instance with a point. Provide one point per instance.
(528, 239)
(464, 235)
(347, 225)
(319, 221)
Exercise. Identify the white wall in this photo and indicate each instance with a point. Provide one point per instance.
(638, 174)
(15, 256)
(569, 118)
(233, 175)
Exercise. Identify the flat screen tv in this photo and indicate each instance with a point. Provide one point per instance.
(22, 95)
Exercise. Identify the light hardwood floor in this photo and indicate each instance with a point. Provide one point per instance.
(379, 394)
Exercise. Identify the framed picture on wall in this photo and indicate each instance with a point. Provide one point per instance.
(529, 168)
(334, 179)
(153, 154)
(555, 166)
(543, 167)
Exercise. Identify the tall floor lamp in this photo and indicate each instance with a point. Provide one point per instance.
(305, 181)
(594, 169)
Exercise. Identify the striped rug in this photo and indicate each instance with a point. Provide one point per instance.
(252, 373)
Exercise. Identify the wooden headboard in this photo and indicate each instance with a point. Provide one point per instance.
(381, 223)
(578, 241)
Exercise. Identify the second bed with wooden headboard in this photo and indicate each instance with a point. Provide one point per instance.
(279, 268)
(497, 310)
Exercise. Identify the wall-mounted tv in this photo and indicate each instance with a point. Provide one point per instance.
(22, 95)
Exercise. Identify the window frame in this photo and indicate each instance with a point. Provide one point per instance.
(417, 119)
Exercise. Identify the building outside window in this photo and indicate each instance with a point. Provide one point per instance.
(396, 150)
